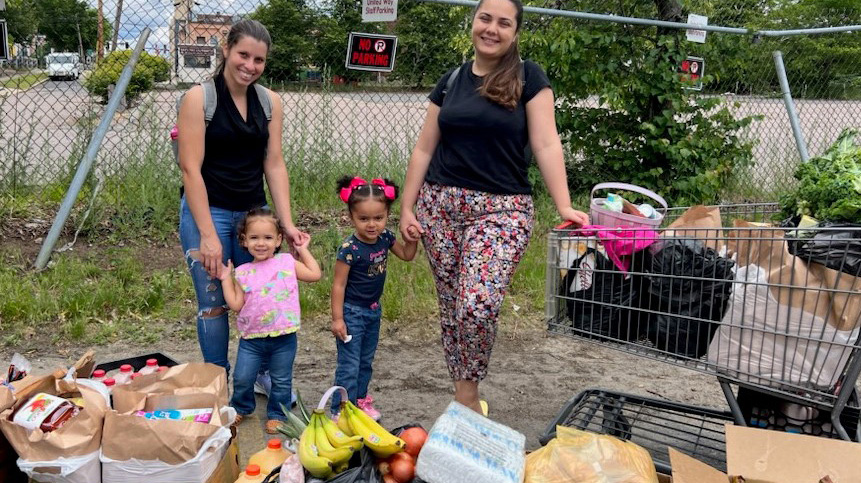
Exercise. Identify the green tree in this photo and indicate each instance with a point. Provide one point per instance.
(21, 17)
(148, 70)
(67, 24)
(426, 35)
(641, 125)
(289, 22)
(333, 28)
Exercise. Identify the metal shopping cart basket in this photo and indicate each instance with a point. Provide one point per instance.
(770, 310)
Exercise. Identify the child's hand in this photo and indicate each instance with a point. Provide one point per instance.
(302, 243)
(226, 272)
(339, 329)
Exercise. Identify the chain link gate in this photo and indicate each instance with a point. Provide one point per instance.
(342, 121)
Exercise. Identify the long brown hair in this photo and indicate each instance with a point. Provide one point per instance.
(242, 28)
(504, 85)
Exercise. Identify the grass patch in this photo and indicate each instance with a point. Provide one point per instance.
(25, 81)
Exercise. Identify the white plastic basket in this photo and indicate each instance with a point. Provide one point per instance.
(602, 216)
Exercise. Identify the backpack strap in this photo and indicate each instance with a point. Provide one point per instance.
(210, 100)
(450, 81)
(265, 100)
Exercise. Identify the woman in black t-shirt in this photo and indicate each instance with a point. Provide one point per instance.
(467, 179)
(223, 165)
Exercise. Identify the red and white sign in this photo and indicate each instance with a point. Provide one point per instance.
(692, 71)
(372, 52)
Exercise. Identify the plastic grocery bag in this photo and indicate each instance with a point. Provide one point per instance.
(838, 247)
(601, 300)
(292, 471)
(760, 337)
(575, 455)
(689, 284)
(75, 469)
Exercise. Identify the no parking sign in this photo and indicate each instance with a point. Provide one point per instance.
(691, 72)
(371, 52)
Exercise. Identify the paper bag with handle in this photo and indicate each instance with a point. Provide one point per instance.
(190, 378)
(699, 222)
(80, 435)
(829, 294)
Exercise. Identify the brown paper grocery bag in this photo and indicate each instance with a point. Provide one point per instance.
(80, 435)
(832, 295)
(190, 378)
(127, 436)
(701, 223)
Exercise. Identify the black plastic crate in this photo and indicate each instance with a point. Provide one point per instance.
(137, 362)
(651, 423)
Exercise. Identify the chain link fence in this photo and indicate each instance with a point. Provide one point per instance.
(341, 121)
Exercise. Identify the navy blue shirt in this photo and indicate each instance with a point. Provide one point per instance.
(367, 268)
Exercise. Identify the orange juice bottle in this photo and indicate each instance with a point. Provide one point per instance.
(270, 457)
(252, 474)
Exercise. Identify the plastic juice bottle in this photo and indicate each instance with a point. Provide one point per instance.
(162, 368)
(125, 374)
(270, 457)
(110, 383)
(150, 367)
(134, 376)
(98, 375)
(252, 474)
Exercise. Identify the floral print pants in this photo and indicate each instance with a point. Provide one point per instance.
(474, 241)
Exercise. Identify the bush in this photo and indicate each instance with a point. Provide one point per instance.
(149, 70)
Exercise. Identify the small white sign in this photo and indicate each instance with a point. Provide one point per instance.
(379, 10)
(698, 36)
(2, 4)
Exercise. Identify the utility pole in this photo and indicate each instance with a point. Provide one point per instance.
(117, 25)
(80, 40)
(100, 36)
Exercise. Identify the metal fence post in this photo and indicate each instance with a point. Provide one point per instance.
(90, 155)
(790, 106)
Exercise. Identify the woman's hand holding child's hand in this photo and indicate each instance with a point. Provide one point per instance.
(226, 272)
(411, 229)
(296, 237)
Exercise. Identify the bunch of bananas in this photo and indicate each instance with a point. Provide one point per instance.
(324, 450)
(381, 442)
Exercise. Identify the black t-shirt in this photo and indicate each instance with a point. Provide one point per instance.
(235, 149)
(482, 143)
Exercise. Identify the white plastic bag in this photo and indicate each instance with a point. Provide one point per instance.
(761, 338)
(195, 470)
(292, 471)
(77, 469)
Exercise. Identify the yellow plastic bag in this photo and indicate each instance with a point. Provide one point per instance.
(575, 456)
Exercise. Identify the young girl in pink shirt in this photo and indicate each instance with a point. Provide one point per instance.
(265, 292)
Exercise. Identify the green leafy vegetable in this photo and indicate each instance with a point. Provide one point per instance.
(829, 186)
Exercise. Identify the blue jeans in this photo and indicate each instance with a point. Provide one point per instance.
(213, 332)
(356, 358)
(278, 353)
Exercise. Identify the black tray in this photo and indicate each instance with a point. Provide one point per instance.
(653, 424)
(137, 362)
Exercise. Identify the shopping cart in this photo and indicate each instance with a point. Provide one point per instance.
(773, 311)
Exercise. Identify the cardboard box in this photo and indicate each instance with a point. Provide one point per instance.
(763, 456)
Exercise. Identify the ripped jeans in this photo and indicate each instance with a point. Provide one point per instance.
(213, 328)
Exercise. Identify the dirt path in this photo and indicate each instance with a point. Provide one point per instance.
(532, 375)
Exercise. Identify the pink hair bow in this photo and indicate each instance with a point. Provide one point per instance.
(354, 183)
(388, 190)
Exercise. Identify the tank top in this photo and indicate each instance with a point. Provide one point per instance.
(235, 149)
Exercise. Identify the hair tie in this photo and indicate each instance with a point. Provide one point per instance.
(388, 190)
(354, 183)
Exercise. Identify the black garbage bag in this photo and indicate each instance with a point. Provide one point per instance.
(607, 307)
(689, 286)
(838, 247)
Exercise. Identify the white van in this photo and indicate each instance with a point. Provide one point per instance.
(63, 65)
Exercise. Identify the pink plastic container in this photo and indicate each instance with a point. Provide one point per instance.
(602, 216)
